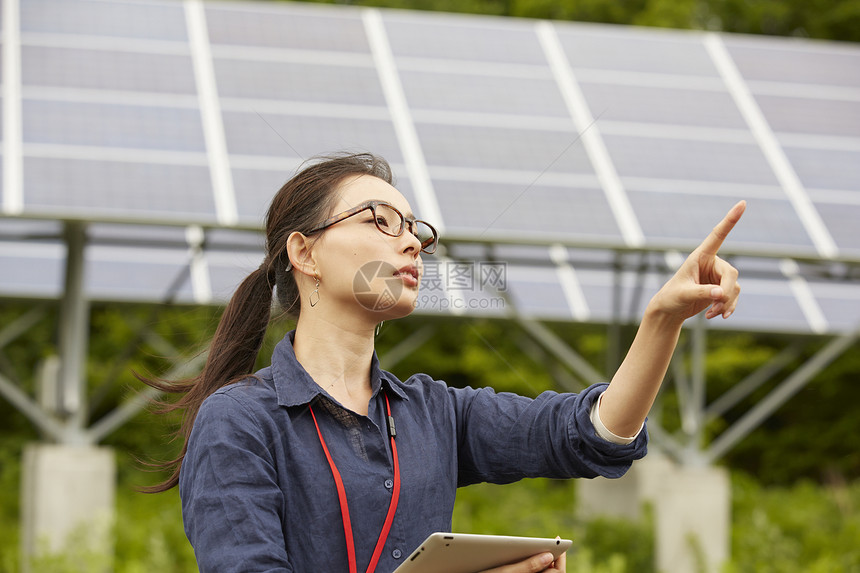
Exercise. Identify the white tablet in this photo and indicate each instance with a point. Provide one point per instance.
(470, 553)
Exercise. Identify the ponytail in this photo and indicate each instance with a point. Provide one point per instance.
(231, 357)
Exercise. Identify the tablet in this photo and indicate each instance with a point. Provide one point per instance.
(470, 553)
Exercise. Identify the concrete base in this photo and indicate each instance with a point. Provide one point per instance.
(626, 496)
(67, 501)
(691, 509)
(693, 518)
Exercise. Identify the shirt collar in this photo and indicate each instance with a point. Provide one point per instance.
(295, 387)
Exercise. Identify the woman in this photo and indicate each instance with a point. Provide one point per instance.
(324, 462)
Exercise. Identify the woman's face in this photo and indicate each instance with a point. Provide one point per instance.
(362, 269)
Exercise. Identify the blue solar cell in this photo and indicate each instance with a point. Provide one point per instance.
(110, 125)
(538, 254)
(487, 94)
(27, 229)
(31, 269)
(501, 148)
(536, 292)
(766, 305)
(278, 135)
(123, 274)
(843, 222)
(839, 302)
(686, 219)
(58, 187)
(291, 28)
(780, 60)
(233, 240)
(227, 269)
(806, 115)
(141, 20)
(635, 50)
(458, 38)
(297, 82)
(825, 168)
(635, 290)
(104, 70)
(664, 158)
(596, 287)
(141, 235)
(538, 210)
(662, 106)
(254, 189)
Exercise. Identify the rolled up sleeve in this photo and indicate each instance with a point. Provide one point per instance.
(504, 437)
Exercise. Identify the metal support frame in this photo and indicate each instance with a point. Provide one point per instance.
(569, 369)
(406, 347)
(67, 423)
(690, 381)
(778, 396)
(73, 338)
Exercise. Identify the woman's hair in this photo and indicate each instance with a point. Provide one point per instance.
(304, 201)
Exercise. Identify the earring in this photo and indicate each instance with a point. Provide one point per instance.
(379, 326)
(315, 296)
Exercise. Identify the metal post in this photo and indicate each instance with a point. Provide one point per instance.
(697, 388)
(73, 335)
(613, 332)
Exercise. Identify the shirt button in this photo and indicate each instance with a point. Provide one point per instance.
(396, 554)
(389, 484)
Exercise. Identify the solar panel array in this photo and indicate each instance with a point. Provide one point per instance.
(562, 149)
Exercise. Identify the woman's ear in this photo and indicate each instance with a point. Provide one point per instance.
(299, 250)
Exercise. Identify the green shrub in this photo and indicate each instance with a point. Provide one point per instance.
(805, 527)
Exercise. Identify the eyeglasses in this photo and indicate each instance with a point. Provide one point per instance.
(391, 222)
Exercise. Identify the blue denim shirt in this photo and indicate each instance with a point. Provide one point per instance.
(258, 494)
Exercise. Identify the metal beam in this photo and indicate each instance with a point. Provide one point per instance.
(74, 330)
(183, 368)
(22, 324)
(562, 351)
(30, 408)
(751, 420)
(613, 332)
(406, 347)
(751, 383)
(682, 387)
(564, 380)
(698, 382)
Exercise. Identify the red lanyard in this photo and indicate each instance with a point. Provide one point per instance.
(341, 495)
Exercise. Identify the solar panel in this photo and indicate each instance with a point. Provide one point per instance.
(636, 50)
(149, 118)
(811, 62)
(306, 28)
(562, 210)
(50, 64)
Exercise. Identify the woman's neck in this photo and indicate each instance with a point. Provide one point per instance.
(338, 357)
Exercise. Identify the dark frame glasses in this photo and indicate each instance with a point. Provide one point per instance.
(424, 231)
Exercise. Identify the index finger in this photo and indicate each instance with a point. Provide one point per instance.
(714, 241)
